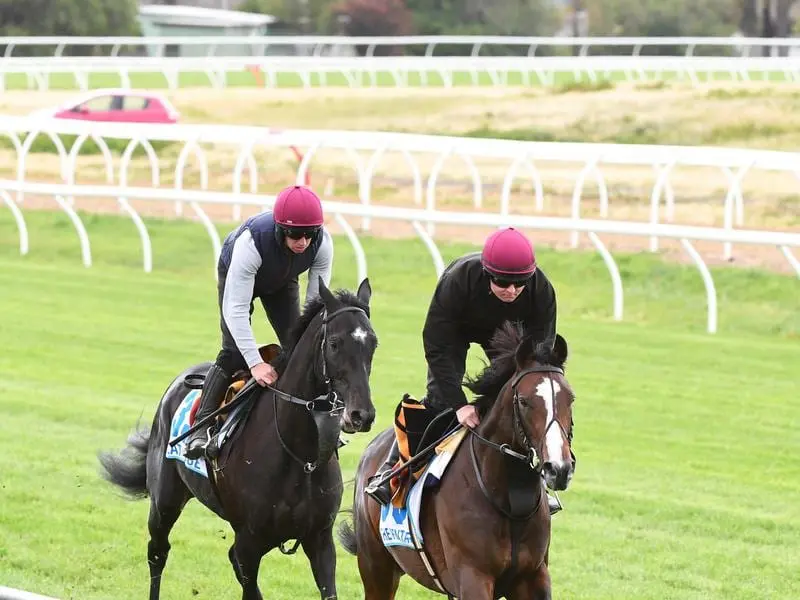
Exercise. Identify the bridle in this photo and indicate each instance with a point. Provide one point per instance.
(532, 451)
(325, 407)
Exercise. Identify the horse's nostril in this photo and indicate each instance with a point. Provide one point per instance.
(356, 418)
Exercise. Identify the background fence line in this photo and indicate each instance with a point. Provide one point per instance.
(589, 160)
(686, 234)
(316, 45)
(402, 71)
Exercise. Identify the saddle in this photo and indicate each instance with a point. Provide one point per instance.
(416, 427)
(268, 353)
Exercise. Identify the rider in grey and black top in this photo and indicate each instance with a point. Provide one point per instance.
(262, 259)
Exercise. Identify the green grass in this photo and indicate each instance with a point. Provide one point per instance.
(565, 80)
(687, 483)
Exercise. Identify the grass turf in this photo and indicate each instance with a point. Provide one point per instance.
(687, 484)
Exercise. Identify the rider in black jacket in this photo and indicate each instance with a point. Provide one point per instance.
(475, 295)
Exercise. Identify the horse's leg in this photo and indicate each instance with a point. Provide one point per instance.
(380, 578)
(164, 512)
(321, 554)
(379, 573)
(247, 551)
(234, 563)
(473, 585)
(536, 587)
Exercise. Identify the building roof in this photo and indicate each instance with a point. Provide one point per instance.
(194, 15)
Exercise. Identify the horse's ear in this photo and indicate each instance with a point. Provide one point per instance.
(327, 296)
(560, 349)
(364, 292)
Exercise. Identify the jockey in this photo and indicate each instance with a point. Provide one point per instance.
(262, 259)
(475, 295)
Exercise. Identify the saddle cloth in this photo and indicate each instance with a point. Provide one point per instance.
(183, 419)
(399, 526)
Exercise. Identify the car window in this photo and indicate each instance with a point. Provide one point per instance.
(97, 104)
(135, 103)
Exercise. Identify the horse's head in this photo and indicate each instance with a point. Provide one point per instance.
(348, 344)
(542, 407)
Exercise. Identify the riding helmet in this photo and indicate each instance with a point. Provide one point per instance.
(508, 255)
(298, 206)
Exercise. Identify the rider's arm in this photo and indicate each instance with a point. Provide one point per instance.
(238, 294)
(321, 265)
(545, 303)
(445, 347)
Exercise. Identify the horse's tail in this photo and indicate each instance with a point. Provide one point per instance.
(346, 532)
(128, 468)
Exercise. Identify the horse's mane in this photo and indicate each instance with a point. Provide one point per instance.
(504, 343)
(310, 310)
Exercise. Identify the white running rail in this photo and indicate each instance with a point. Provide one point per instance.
(319, 45)
(589, 159)
(7, 593)
(397, 71)
(341, 210)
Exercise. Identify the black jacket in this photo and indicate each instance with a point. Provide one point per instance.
(463, 310)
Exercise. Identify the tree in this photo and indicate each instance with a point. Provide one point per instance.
(375, 17)
(67, 18)
(656, 18)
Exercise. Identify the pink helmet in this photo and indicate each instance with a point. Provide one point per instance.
(298, 206)
(507, 254)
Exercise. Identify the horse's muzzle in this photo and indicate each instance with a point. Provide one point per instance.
(558, 475)
(358, 420)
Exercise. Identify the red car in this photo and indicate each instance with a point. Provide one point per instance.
(121, 106)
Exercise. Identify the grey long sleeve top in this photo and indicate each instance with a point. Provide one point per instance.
(238, 293)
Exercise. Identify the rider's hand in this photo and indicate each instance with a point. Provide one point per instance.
(467, 415)
(264, 374)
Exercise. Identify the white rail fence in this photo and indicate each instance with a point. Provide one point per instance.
(521, 158)
(590, 158)
(321, 45)
(340, 210)
(403, 71)
(7, 593)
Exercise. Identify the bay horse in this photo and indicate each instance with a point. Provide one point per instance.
(486, 526)
(275, 480)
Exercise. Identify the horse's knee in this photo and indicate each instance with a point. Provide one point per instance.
(157, 553)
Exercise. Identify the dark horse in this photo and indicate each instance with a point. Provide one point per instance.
(273, 481)
(486, 527)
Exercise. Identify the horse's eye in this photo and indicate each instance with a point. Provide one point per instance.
(333, 344)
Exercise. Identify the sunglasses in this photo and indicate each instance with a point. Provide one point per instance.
(298, 233)
(507, 283)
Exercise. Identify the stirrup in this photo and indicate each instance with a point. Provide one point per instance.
(381, 493)
(201, 448)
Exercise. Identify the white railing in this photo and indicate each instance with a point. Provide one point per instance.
(400, 71)
(320, 45)
(7, 593)
(341, 210)
(590, 160)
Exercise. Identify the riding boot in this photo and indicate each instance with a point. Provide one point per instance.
(214, 386)
(382, 492)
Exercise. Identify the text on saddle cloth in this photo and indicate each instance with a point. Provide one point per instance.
(184, 418)
(399, 523)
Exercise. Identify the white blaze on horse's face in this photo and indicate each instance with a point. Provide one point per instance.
(359, 335)
(548, 390)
